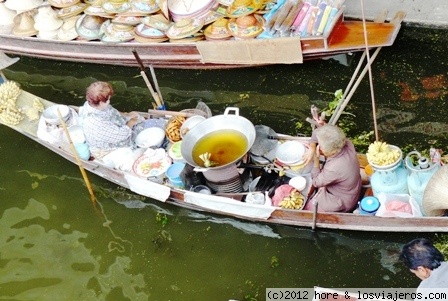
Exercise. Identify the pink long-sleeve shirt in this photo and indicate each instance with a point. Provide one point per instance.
(338, 182)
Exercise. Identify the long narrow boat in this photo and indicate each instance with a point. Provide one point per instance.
(345, 37)
(226, 205)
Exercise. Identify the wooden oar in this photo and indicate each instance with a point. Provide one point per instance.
(78, 161)
(154, 95)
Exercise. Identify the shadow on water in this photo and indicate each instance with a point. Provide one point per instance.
(55, 246)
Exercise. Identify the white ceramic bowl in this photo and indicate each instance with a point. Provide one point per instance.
(150, 137)
(290, 152)
(298, 183)
(51, 116)
(190, 123)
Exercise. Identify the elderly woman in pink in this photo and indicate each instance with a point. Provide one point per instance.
(105, 128)
(338, 181)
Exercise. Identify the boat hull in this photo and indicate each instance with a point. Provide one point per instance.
(279, 216)
(346, 37)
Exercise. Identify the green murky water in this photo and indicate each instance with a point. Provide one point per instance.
(54, 245)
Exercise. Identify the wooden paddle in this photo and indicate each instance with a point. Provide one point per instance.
(78, 160)
(155, 96)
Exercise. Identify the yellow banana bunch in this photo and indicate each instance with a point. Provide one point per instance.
(295, 200)
(9, 112)
(38, 105)
(380, 153)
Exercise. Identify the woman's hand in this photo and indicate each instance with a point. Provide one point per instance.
(309, 155)
(317, 158)
(132, 115)
(133, 121)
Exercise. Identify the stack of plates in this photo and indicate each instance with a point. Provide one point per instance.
(225, 179)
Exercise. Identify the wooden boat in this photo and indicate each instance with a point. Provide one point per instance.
(345, 37)
(428, 13)
(230, 204)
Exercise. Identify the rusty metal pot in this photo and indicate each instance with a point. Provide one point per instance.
(214, 126)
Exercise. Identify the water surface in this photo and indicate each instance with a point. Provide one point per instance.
(55, 245)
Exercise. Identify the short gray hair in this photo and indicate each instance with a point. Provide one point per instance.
(331, 139)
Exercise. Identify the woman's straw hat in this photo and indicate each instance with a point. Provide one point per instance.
(435, 202)
(246, 27)
(148, 32)
(218, 30)
(70, 11)
(116, 33)
(67, 31)
(6, 19)
(145, 6)
(24, 25)
(89, 27)
(63, 3)
(157, 21)
(116, 6)
(127, 20)
(6, 15)
(46, 19)
(96, 9)
(23, 5)
(184, 28)
(6, 61)
(240, 8)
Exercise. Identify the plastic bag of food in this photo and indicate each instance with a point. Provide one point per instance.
(398, 205)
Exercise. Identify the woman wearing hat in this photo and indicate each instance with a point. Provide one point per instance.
(105, 128)
(338, 182)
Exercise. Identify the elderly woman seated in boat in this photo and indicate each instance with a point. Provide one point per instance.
(105, 128)
(338, 181)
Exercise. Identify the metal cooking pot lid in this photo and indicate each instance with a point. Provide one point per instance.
(262, 144)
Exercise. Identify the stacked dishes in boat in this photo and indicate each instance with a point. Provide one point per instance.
(226, 179)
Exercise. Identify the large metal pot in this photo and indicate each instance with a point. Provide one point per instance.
(218, 125)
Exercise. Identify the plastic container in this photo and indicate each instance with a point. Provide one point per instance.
(173, 174)
(390, 178)
(369, 205)
(419, 175)
(83, 151)
(202, 189)
(393, 180)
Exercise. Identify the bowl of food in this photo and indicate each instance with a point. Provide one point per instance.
(150, 138)
(51, 116)
(290, 153)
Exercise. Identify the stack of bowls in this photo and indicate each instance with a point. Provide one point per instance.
(225, 179)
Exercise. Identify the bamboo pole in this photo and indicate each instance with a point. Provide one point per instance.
(78, 160)
(352, 91)
(372, 93)
(154, 95)
(156, 84)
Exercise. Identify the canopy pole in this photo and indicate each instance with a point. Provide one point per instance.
(347, 89)
(338, 113)
(372, 93)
